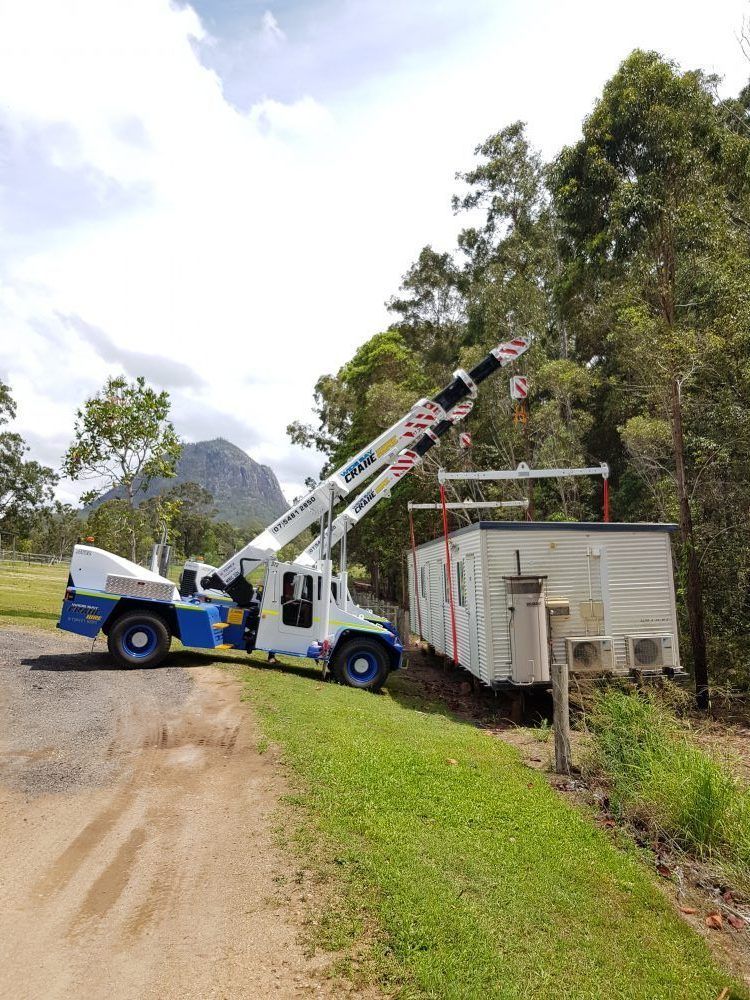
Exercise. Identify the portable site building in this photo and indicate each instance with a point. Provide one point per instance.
(526, 594)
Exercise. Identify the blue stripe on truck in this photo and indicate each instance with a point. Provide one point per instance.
(87, 612)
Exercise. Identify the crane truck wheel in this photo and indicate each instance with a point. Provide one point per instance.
(361, 663)
(139, 639)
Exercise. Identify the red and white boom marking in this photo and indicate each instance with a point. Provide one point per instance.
(378, 490)
(410, 429)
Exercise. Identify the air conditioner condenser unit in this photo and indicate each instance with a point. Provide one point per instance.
(590, 653)
(646, 652)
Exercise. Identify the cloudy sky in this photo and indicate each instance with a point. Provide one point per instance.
(221, 196)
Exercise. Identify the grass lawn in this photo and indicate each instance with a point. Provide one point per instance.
(470, 876)
(31, 594)
(482, 880)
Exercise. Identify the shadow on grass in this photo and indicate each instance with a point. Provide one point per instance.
(430, 685)
(100, 660)
(189, 658)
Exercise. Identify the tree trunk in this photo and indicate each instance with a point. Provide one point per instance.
(133, 540)
(694, 592)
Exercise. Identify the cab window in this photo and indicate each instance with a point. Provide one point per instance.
(297, 612)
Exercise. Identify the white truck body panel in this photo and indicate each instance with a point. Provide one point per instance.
(90, 567)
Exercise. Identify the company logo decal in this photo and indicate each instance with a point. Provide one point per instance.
(88, 611)
(359, 465)
(364, 501)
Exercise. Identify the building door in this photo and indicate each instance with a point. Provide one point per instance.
(424, 600)
(437, 616)
(471, 610)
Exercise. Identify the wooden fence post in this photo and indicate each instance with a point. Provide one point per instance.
(404, 629)
(561, 717)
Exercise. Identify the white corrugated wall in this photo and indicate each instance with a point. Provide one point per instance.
(435, 610)
(637, 571)
(630, 573)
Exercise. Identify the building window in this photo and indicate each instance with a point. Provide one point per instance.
(461, 584)
(446, 588)
(423, 580)
(297, 612)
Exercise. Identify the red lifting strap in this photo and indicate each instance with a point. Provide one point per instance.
(416, 578)
(606, 500)
(450, 575)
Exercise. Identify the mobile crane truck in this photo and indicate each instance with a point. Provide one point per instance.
(196, 574)
(294, 613)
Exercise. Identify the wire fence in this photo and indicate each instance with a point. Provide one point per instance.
(38, 558)
(390, 610)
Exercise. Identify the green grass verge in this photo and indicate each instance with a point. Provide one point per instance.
(481, 880)
(662, 779)
(31, 595)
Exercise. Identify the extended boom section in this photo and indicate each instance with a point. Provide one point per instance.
(231, 576)
(408, 431)
(381, 487)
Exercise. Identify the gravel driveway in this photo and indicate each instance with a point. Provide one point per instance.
(137, 855)
(62, 708)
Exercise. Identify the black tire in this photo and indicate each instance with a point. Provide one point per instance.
(139, 639)
(361, 663)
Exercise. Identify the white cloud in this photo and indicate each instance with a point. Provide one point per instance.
(271, 31)
(305, 117)
(255, 250)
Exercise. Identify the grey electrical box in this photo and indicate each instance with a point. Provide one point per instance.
(528, 629)
(592, 611)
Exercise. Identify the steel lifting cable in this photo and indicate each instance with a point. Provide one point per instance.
(450, 575)
(416, 579)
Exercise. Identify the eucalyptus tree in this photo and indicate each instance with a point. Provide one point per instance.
(652, 201)
(26, 486)
(123, 439)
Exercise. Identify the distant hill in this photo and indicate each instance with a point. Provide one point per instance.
(243, 490)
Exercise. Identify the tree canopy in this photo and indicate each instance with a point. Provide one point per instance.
(628, 259)
(25, 486)
(122, 440)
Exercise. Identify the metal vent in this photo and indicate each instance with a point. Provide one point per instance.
(129, 586)
(590, 653)
(586, 655)
(646, 652)
(188, 582)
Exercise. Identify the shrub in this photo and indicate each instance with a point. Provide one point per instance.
(660, 778)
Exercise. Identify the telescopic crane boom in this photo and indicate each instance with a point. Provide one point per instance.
(410, 430)
(381, 487)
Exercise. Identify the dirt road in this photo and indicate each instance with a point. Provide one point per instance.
(136, 848)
